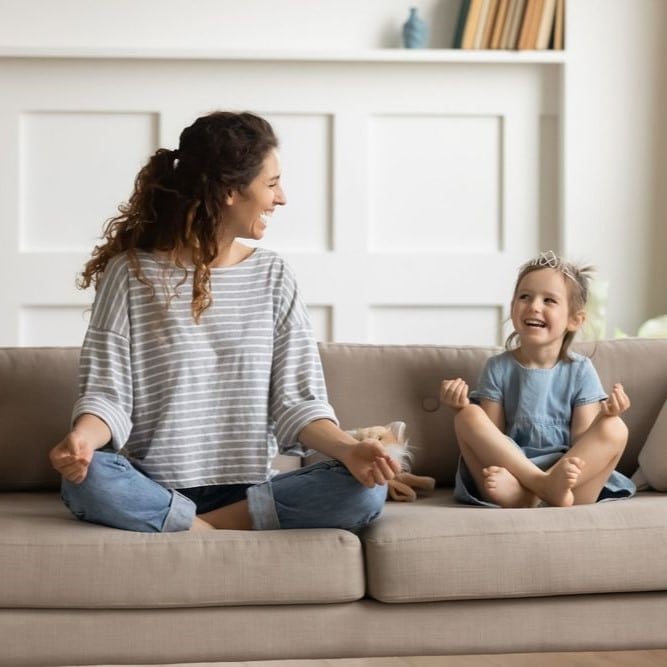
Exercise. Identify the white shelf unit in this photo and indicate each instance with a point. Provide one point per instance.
(407, 268)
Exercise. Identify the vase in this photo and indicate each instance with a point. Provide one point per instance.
(415, 31)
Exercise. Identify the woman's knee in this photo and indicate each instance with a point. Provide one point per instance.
(100, 475)
(115, 494)
(365, 506)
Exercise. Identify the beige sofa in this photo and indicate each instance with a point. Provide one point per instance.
(430, 577)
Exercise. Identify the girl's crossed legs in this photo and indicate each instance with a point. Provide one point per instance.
(506, 477)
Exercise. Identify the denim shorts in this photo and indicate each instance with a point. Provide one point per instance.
(322, 495)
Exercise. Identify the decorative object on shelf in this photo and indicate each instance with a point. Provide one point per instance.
(415, 31)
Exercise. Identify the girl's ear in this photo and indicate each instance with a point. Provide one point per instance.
(576, 320)
(230, 197)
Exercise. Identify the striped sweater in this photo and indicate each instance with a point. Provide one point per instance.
(213, 403)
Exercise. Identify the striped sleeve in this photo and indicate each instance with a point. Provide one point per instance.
(298, 392)
(105, 379)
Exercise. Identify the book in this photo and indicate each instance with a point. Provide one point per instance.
(472, 19)
(512, 37)
(461, 23)
(530, 26)
(559, 25)
(511, 11)
(481, 24)
(489, 23)
(499, 24)
(546, 25)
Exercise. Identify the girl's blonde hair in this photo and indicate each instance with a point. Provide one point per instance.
(577, 283)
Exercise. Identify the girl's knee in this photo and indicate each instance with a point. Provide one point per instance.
(615, 431)
(467, 416)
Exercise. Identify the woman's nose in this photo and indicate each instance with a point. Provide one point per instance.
(280, 199)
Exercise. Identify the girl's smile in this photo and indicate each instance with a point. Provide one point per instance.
(540, 314)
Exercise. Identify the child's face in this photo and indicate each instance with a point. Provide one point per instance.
(540, 309)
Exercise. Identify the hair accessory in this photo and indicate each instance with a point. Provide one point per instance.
(550, 260)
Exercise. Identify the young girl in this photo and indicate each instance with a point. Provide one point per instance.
(199, 363)
(540, 429)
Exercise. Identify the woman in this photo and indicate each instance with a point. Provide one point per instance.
(199, 363)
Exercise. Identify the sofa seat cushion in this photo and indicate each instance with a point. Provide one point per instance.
(435, 549)
(50, 559)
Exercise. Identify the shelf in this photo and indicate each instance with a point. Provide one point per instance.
(280, 55)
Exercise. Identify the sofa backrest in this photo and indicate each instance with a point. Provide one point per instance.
(38, 388)
(371, 385)
(367, 384)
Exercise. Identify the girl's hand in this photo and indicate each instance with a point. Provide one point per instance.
(617, 403)
(454, 394)
(72, 456)
(369, 462)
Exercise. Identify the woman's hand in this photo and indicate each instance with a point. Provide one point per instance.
(369, 463)
(454, 394)
(72, 456)
(617, 403)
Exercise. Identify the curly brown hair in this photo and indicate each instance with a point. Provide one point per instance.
(177, 203)
(577, 280)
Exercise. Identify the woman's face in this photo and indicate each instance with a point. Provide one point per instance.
(247, 214)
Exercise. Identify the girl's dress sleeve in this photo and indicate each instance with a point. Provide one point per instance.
(588, 389)
(489, 385)
(105, 373)
(298, 393)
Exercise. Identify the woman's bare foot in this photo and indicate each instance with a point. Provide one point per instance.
(504, 489)
(556, 488)
(199, 524)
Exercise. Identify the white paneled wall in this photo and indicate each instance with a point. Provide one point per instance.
(73, 172)
(602, 115)
(413, 185)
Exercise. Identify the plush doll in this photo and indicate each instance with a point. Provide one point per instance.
(405, 485)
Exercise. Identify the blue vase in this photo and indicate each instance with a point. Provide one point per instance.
(415, 31)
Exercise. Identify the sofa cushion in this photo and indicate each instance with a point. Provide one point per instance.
(50, 559)
(435, 549)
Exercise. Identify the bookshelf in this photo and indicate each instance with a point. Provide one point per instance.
(524, 25)
(300, 55)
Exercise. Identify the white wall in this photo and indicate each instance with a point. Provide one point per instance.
(615, 140)
(312, 24)
(617, 151)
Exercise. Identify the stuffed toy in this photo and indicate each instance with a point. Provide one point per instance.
(405, 485)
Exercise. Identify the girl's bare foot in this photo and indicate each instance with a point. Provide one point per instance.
(504, 489)
(557, 484)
